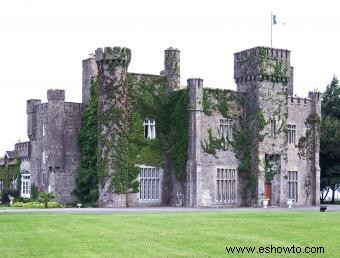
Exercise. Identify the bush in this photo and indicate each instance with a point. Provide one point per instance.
(35, 205)
(54, 205)
(18, 205)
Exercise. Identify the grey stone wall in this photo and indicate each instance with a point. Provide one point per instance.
(90, 70)
(56, 127)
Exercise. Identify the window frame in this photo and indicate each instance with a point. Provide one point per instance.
(149, 125)
(226, 185)
(25, 190)
(149, 184)
(226, 129)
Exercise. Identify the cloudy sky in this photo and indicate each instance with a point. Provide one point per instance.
(43, 42)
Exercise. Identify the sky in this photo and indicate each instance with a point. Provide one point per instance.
(43, 42)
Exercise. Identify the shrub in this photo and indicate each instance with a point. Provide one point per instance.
(33, 205)
(54, 205)
(45, 197)
(18, 204)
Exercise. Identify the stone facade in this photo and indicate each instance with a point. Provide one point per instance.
(280, 131)
(53, 128)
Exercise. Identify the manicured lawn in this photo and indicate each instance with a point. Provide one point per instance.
(166, 235)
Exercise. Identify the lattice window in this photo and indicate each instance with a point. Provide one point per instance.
(149, 129)
(293, 185)
(291, 134)
(25, 184)
(226, 185)
(149, 184)
(225, 129)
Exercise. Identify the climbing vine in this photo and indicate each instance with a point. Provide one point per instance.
(212, 144)
(9, 173)
(220, 100)
(87, 181)
(272, 68)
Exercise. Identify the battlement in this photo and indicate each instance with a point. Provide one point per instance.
(315, 95)
(262, 64)
(262, 52)
(31, 104)
(56, 94)
(116, 54)
(22, 149)
(299, 101)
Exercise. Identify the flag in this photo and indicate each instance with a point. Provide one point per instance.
(276, 21)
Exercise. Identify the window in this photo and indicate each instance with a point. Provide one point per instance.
(43, 129)
(149, 184)
(44, 157)
(226, 185)
(225, 129)
(0, 185)
(291, 134)
(25, 184)
(273, 128)
(149, 129)
(44, 178)
(293, 185)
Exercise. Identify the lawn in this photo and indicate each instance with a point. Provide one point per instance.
(203, 234)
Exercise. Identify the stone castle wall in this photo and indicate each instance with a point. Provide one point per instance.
(53, 131)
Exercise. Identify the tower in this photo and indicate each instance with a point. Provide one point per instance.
(263, 75)
(112, 105)
(90, 71)
(172, 68)
(195, 89)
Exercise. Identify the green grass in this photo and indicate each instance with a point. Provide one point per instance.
(203, 234)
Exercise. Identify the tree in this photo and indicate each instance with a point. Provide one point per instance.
(45, 197)
(330, 155)
(331, 100)
(330, 139)
(87, 181)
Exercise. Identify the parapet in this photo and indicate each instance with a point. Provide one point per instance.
(299, 101)
(315, 95)
(262, 52)
(22, 149)
(262, 63)
(117, 54)
(56, 94)
(31, 104)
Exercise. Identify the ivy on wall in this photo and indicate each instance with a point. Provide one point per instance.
(9, 173)
(220, 100)
(87, 181)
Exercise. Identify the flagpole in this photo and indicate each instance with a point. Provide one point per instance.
(271, 29)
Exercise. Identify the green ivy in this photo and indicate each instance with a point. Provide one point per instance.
(212, 144)
(261, 120)
(87, 181)
(217, 99)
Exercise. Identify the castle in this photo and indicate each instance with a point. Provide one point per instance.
(258, 142)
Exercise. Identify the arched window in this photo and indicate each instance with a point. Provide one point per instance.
(149, 128)
(25, 184)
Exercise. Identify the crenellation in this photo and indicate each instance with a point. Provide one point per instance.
(116, 54)
(56, 94)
